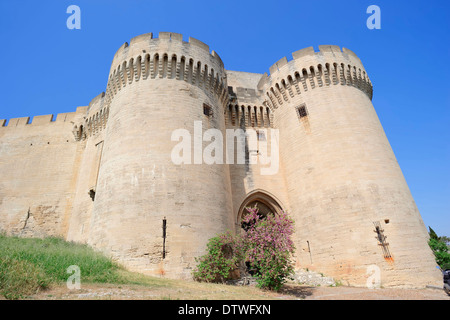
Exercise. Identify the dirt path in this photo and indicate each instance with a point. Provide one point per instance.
(353, 293)
(223, 292)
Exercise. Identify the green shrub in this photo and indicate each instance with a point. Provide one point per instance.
(218, 264)
(265, 246)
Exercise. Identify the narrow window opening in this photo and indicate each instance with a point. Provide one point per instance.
(207, 110)
(164, 227)
(80, 133)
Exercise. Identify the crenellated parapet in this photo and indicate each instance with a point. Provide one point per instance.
(309, 70)
(248, 116)
(167, 57)
(42, 120)
(48, 119)
(246, 107)
(95, 119)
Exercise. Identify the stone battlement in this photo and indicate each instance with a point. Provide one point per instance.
(167, 57)
(309, 70)
(166, 41)
(40, 120)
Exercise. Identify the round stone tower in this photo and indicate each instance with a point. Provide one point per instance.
(149, 212)
(355, 217)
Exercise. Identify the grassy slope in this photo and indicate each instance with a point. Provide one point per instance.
(30, 265)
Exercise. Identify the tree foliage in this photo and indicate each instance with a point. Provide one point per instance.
(440, 249)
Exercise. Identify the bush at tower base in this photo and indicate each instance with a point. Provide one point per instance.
(264, 246)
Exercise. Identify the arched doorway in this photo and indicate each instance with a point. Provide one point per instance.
(265, 202)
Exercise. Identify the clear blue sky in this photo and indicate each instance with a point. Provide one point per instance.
(49, 69)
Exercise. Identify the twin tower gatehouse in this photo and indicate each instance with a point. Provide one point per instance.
(105, 174)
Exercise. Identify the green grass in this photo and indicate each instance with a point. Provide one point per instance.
(30, 264)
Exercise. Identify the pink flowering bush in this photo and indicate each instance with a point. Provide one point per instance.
(268, 247)
(265, 246)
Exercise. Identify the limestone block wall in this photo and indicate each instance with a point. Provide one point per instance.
(37, 161)
(90, 137)
(342, 176)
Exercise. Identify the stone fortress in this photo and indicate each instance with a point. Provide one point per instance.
(103, 175)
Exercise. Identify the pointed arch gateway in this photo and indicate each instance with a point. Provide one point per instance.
(265, 202)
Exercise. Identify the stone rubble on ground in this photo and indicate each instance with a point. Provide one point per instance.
(307, 277)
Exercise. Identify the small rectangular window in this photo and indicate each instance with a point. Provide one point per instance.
(261, 135)
(302, 112)
(207, 111)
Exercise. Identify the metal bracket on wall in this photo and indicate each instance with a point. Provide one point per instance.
(382, 242)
